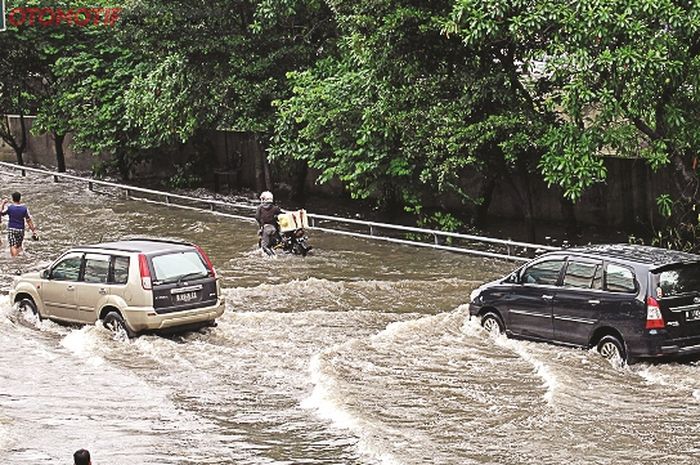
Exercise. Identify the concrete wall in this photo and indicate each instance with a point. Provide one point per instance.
(626, 198)
(41, 150)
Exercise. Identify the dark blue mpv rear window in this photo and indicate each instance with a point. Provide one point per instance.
(680, 279)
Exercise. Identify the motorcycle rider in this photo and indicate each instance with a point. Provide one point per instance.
(266, 216)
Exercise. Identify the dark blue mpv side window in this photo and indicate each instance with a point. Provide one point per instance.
(619, 279)
(583, 275)
(546, 273)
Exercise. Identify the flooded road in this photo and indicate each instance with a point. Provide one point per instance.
(359, 354)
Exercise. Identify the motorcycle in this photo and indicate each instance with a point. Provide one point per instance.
(291, 236)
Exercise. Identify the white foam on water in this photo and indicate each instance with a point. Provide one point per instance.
(84, 343)
(397, 329)
(677, 380)
(13, 316)
(551, 383)
(325, 400)
(5, 440)
(322, 398)
(334, 294)
(472, 327)
(652, 377)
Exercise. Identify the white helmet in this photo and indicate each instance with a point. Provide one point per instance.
(266, 197)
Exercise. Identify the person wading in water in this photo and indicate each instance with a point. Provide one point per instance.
(18, 214)
(266, 216)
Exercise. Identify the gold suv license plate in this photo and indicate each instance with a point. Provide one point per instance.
(692, 315)
(186, 297)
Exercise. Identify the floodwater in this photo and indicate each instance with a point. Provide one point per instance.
(359, 354)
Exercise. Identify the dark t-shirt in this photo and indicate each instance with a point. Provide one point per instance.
(267, 214)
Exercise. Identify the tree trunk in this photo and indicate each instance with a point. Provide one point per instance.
(686, 182)
(390, 205)
(529, 213)
(18, 153)
(123, 166)
(301, 172)
(567, 210)
(60, 157)
(486, 195)
(523, 202)
(259, 168)
(266, 171)
(7, 135)
(19, 148)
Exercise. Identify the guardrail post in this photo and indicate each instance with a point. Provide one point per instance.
(371, 230)
(127, 194)
(24, 173)
(90, 186)
(435, 238)
(211, 206)
(510, 250)
(55, 178)
(167, 199)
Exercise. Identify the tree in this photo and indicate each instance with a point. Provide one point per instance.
(96, 96)
(171, 70)
(13, 101)
(17, 82)
(406, 110)
(639, 88)
(619, 77)
(217, 64)
(36, 49)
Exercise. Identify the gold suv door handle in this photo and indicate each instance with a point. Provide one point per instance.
(70, 288)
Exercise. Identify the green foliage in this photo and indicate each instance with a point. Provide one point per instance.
(684, 236)
(664, 204)
(570, 160)
(166, 104)
(18, 95)
(184, 177)
(441, 221)
(336, 123)
(96, 99)
(678, 235)
(399, 100)
(617, 78)
(166, 71)
(403, 110)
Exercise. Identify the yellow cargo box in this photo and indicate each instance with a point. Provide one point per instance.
(289, 221)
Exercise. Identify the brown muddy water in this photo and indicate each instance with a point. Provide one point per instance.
(359, 354)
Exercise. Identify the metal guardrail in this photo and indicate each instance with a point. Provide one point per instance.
(441, 240)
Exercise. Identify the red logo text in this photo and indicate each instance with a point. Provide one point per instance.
(56, 16)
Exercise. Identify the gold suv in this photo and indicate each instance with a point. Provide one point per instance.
(133, 286)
